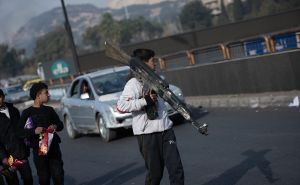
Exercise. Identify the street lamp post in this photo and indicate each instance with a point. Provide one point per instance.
(71, 38)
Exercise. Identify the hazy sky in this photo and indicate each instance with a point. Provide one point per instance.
(15, 13)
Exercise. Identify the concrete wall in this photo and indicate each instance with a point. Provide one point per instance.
(270, 73)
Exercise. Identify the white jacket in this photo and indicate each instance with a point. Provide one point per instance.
(132, 100)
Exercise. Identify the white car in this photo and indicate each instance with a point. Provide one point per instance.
(90, 104)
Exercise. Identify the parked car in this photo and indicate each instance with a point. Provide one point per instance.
(90, 103)
(15, 94)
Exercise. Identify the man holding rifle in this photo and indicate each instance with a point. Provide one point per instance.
(151, 125)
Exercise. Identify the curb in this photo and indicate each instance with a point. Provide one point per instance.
(260, 100)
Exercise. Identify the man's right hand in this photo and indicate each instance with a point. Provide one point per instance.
(151, 98)
(39, 130)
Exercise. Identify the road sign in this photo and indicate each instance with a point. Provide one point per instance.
(60, 69)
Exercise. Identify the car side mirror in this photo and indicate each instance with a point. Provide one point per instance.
(84, 96)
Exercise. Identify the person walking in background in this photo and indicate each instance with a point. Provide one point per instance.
(151, 125)
(43, 120)
(11, 147)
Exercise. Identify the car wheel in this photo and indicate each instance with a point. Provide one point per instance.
(105, 133)
(70, 130)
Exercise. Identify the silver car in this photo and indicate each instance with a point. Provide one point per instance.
(90, 104)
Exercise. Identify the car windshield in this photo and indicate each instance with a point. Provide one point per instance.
(110, 83)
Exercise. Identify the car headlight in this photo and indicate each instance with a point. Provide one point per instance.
(110, 116)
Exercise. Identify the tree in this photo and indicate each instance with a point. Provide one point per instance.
(139, 29)
(10, 61)
(252, 6)
(92, 36)
(236, 11)
(121, 32)
(290, 4)
(257, 8)
(269, 7)
(52, 46)
(275, 6)
(195, 16)
(109, 28)
(30, 66)
(223, 18)
(3, 51)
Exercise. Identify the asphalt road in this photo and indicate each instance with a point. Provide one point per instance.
(244, 147)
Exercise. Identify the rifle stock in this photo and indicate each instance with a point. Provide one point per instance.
(116, 53)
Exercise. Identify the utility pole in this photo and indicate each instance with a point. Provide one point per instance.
(71, 38)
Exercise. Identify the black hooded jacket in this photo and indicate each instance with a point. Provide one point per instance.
(10, 144)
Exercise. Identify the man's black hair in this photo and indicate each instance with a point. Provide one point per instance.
(36, 88)
(143, 54)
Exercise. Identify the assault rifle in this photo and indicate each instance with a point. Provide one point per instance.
(155, 82)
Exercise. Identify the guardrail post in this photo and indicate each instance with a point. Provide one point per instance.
(162, 63)
(225, 51)
(61, 81)
(191, 58)
(50, 81)
(269, 44)
(298, 39)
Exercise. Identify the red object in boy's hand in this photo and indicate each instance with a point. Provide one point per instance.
(49, 130)
(17, 163)
(45, 141)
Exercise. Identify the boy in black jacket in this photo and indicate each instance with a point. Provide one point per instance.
(43, 117)
(10, 144)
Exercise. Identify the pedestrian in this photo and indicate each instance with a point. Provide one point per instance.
(43, 118)
(151, 125)
(12, 147)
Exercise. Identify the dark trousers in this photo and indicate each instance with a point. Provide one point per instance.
(160, 150)
(1, 180)
(11, 179)
(49, 166)
(26, 175)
